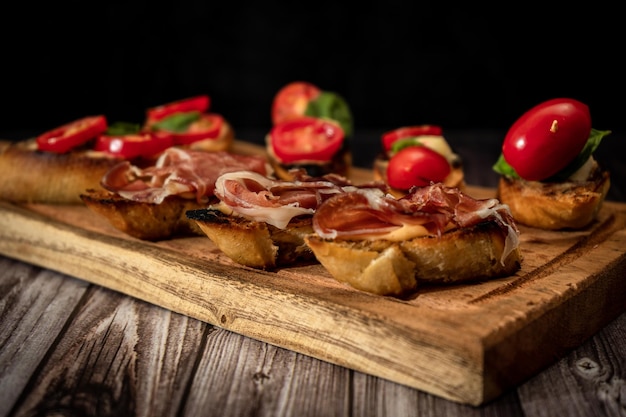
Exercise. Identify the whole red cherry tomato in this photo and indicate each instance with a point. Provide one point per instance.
(292, 100)
(547, 138)
(133, 145)
(73, 134)
(390, 137)
(306, 139)
(416, 166)
(198, 104)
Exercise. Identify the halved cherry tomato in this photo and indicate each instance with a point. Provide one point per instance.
(133, 145)
(192, 129)
(292, 100)
(547, 138)
(198, 104)
(416, 166)
(390, 137)
(306, 139)
(73, 134)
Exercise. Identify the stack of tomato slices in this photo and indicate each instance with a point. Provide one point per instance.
(180, 122)
(309, 124)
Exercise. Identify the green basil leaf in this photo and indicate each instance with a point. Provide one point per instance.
(123, 128)
(177, 122)
(400, 144)
(332, 106)
(503, 168)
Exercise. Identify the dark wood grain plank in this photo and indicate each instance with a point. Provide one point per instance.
(119, 356)
(590, 381)
(35, 304)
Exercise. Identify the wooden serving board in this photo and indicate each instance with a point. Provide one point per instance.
(465, 343)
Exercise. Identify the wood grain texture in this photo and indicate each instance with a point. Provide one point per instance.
(466, 343)
(224, 374)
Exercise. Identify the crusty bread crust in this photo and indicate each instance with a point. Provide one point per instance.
(32, 176)
(255, 244)
(146, 221)
(395, 268)
(554, 206)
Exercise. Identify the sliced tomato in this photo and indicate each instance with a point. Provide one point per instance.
(306, 139)
(133, 145)
(198, 104)
(205, 126)
(416, 166)
(392, 136)
(68, 136)
(292, 100)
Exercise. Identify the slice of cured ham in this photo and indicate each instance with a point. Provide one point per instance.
(187, 173)
(430, 210)
(276, 202)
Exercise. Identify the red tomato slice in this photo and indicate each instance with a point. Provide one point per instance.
(207, 127)
(133, 145)
(292, 100)
(198, 103)
(306, 139)
(64, 138)
(409, 131)
(546, 138)
(416, 166)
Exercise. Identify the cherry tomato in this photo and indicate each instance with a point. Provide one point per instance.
(409, 131)
(198, 104)
(73, 134)
(134, 144)
(416, 166)
(306, 139)
(547, 138)
(292, 100)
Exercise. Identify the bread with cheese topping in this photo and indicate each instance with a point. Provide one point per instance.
(396, 268)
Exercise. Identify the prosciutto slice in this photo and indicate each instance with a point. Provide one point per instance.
(276, 202)
(187, 173)
(364, 214)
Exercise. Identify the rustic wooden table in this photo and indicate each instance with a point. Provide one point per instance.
(70, 348)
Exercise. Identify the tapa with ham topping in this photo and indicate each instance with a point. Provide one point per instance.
(434, 234)
(261, 222)
(150, 203)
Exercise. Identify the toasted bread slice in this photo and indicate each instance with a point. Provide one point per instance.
(394, 268)
(146, 221)
(255, 244)
(554, 206)
(33, 176)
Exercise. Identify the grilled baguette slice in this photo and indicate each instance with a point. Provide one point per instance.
(555, 205)
(395, 268)
(146, 221)
(255, 244)
(33, 176)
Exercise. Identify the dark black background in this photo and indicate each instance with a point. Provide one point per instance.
(471, 69)
(396, 63)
